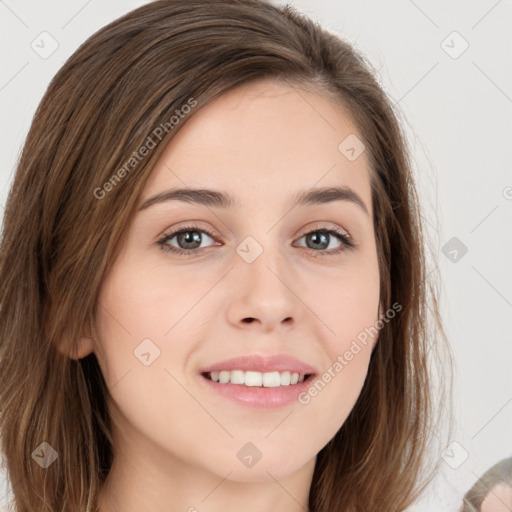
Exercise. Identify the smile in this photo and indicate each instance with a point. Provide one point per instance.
(256, 379)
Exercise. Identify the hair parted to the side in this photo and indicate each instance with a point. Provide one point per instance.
(59, 240)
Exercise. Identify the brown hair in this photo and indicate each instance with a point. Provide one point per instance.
(500, 473)
(59, 240)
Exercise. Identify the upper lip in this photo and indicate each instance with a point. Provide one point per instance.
(259, 363)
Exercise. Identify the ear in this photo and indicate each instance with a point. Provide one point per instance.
(82, 348)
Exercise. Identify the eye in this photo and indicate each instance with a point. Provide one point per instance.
(188, 237)
(322, 237)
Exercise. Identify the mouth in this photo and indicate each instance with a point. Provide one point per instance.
(258, 380)
(249, 378)
(267, 391)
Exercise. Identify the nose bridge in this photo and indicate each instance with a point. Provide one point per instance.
(262, 291)
(263, 259)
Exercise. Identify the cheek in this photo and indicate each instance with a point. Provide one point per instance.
(348, 307)
(142, 301)
(132, 316)
(333, 393)
(145, 313)
(143, 374)
(346, 302)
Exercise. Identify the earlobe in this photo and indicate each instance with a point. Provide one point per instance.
(84, 347)
(86, 344)
(78, 350)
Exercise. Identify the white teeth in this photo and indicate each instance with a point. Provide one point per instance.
(253, 379)
(224, 377)
(257, 379)
(271, 380)
(285, 378)
(237, 377)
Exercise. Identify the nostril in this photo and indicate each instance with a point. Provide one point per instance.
(248, 320)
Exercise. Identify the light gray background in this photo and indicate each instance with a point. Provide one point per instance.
(457, 110)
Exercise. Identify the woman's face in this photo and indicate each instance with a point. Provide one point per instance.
(258, 287)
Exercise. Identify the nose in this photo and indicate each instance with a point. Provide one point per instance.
(262, 296)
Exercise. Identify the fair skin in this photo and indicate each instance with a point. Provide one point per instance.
(498, 500)
(176, 440)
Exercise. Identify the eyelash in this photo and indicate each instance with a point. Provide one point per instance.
(347, 243)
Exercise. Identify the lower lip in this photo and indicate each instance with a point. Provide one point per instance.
(259, 396)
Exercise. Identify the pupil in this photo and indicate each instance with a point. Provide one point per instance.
(195, 238)
(315, 236)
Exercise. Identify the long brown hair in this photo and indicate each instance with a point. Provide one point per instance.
(78, 179)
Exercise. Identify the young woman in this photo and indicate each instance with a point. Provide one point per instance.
(213, 283)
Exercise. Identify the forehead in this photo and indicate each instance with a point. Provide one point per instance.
(265, 138)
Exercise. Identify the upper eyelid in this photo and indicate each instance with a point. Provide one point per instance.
(214, 233)
(172, 232)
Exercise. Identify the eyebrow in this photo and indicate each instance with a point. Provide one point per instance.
(218, 199)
